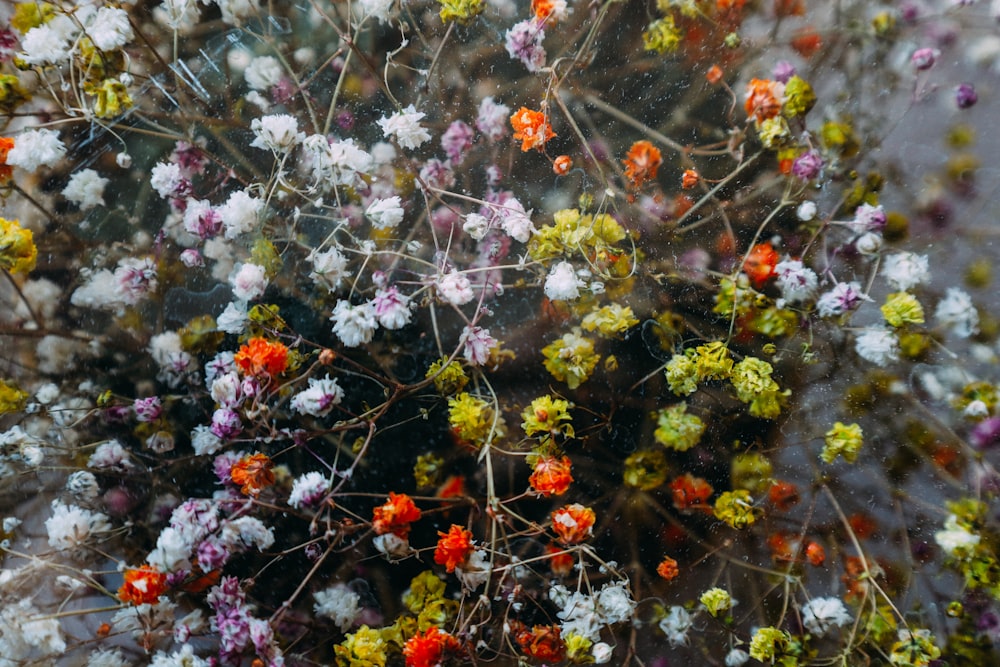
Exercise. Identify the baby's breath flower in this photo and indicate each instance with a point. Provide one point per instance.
(545, 415)
(799, 97)
(278, 133)
(449, 376)
(957, 312)
(610, 321)
(385, 213)
(842, 440)
(363, 648)
(843, 298)
(678, 430)
(405, 127)
(713, 361)
(675, 625)
(354, 325)
(471, 418)
(646, 469)
(562, 283)
(877, 345)
(340, 604)
(915, 648)
(902, 308)
(716, 601)
(571, 359)
(460, 10)
(662, 35)
(682, 374)
(36, 148)
(17, 247)
(904, 270)
(85, 189)
(768, 644)
(735, 508)
(796, 281)
(820, 615)
(956, 539)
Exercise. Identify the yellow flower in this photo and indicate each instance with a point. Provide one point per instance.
(735, 508)
(646, 469)
(902, 308)
(449, 378)
(472, 418)
(544, 416)
(799, 97)
(713, 361)
(12, 398)
(17, 247)
(364, 648)
(717, 601)
(767, 644)
(678, 430)
(682, 374)
(571, 359)
(610, 321)
(842, 440)
(460, 10)
(662, 35)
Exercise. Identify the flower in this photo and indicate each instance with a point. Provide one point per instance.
(763, 99)
(544, 416)
(573, 523)
(842, 440)
(924, 59)
(902, 308)
(668, 568)
(17, 247)
(796, 282)
(543, 643)
(391, 309)
(319, 398)
(571, 359)
(143, 585)
(561, 165)
(395, 515)
(819, 615)
(957, 312)
(877, 345)
(253, 473)
(478, 345)
(532, 128)
(363, 648)
(405, 127)
(71, 526)
(641, 163)
(956, 539)
(338, 603)
(308, 490)
(457, 140)
(735, 508)
(453, 547)
(904, 270)
(760, 263)
(85, 189)
(675, 625)
(690, 492)
(843, 298)
(259, 356)
(249, 282)
(385, 213)
(472, 419)
(716, 601)
(551, 476)
(278, 133)
(965, 96)
(562, 283)
(354, 325)
(678, 430)
(768, 643)
(35, 148)
(492, 119)
(430, 647)
(455, 288)
(524, 42)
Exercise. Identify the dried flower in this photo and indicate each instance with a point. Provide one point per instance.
(573, 523)
(143, 585)
(668, 568)
(532, 128)
(453, 548)
(253, 473)
(395, 515)
(641, 163)
(842, 440)
(259, 356)
(551, 476)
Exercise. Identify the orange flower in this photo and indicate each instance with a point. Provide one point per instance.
(690, 492)
(764, 98)
(532, 128)
(259, 356)
(573, 523)
(552, 476)
(542, 9)
(668, 568)
(760, 263)
(807, 42)
(143, 585)
(453, 547)
(429, 648)
(689, 179)
(783, 495)
(542, 642)
(714, 74)
(253, 473)
(6, 143)
(562, 165)
(453, 487)
(395, 516)
(863, 525)
(560, 561)
(815, 554)
(784, 546)
(641, 163)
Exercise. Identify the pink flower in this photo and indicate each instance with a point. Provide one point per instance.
(478, 344)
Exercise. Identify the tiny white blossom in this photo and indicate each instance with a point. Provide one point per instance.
(319, 398)
(166, 179)
(957, 312)
(405, 127)
(35, 148)
(203, 441)
(385, 213)
(340, 604)
(869, 243)
(109, 29)
(329, 267)
(239, 214)
(455, 288)
(354, 325)
(843, 298)
(476, 226)
(234, 319)
(904, 270)
(83, 485)
(308, 490)
(278, 133)
(675, 625)
(71, 526)
(476, 570)
(263, 72)
(955, 537)
(601, 653)
(249, 282)
(796, 281)
(85, 189)
(44, 45)
(515, 220)
(737, 657)
(879, 346)
(806, 211)
(820, 615)
(562, 283)
(376, 9)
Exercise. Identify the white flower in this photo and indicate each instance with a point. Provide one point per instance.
(178, 15)
(204, 441)
(392, 546)
(107, 658)
(354, 325)
(377, 9)
(737, 658)
(263, 72)
(904, 270)
(879, 346)
(166, 179)
(340, 604)
(476, 570)
(476, 226)
(71, 526)
(247, 531)
(515, 221)
(249, 282)
(227, 389)
(405, 127)
(319, 398)
(806, 211)
(385, 213)
(83, 485)
(492, 119)
(562, 283)
(172, 551)
(957, 312)
(233, 320)
(843, 298)
(239, 213)
(278, 132)
(820, 615)
(308, 490)
(85, 189)
(615, 603)
(109, 29)
(478, 343)
(455, 288)
(44, 45)
(110, 454)
(184, 657)
(577, 611)
(346, 161)
(391, 308)
(329, 267)
(601, 653)
(675, 625)
(869, 243)
(976, 409)
(25, 632)
(35, 148)
(796, 281)
(955, 538)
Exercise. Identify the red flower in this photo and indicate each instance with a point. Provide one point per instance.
(259, 356)
(395, 516)
(552, 476)
(543, 643)
(532, 128)
(815, 554)
(690, 492)
(428, 649)
(668, 568)
(689, 179)
(453, 548)
(562, 165)
(760, 263)
(573, 523)
(143, 585)
(783, 495)
(560, 560)
(641, 163)
(6, 143)
(714, 74)
(253, 473)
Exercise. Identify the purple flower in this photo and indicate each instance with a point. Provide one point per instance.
(437, 174)
(148, 409)
(524, 42)
(924, 59)
(807, 166)
(456, 140)
(986, 433)
(212, 554)
(783, 71)
(965, 96)
(868, 218)
(226, 423)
